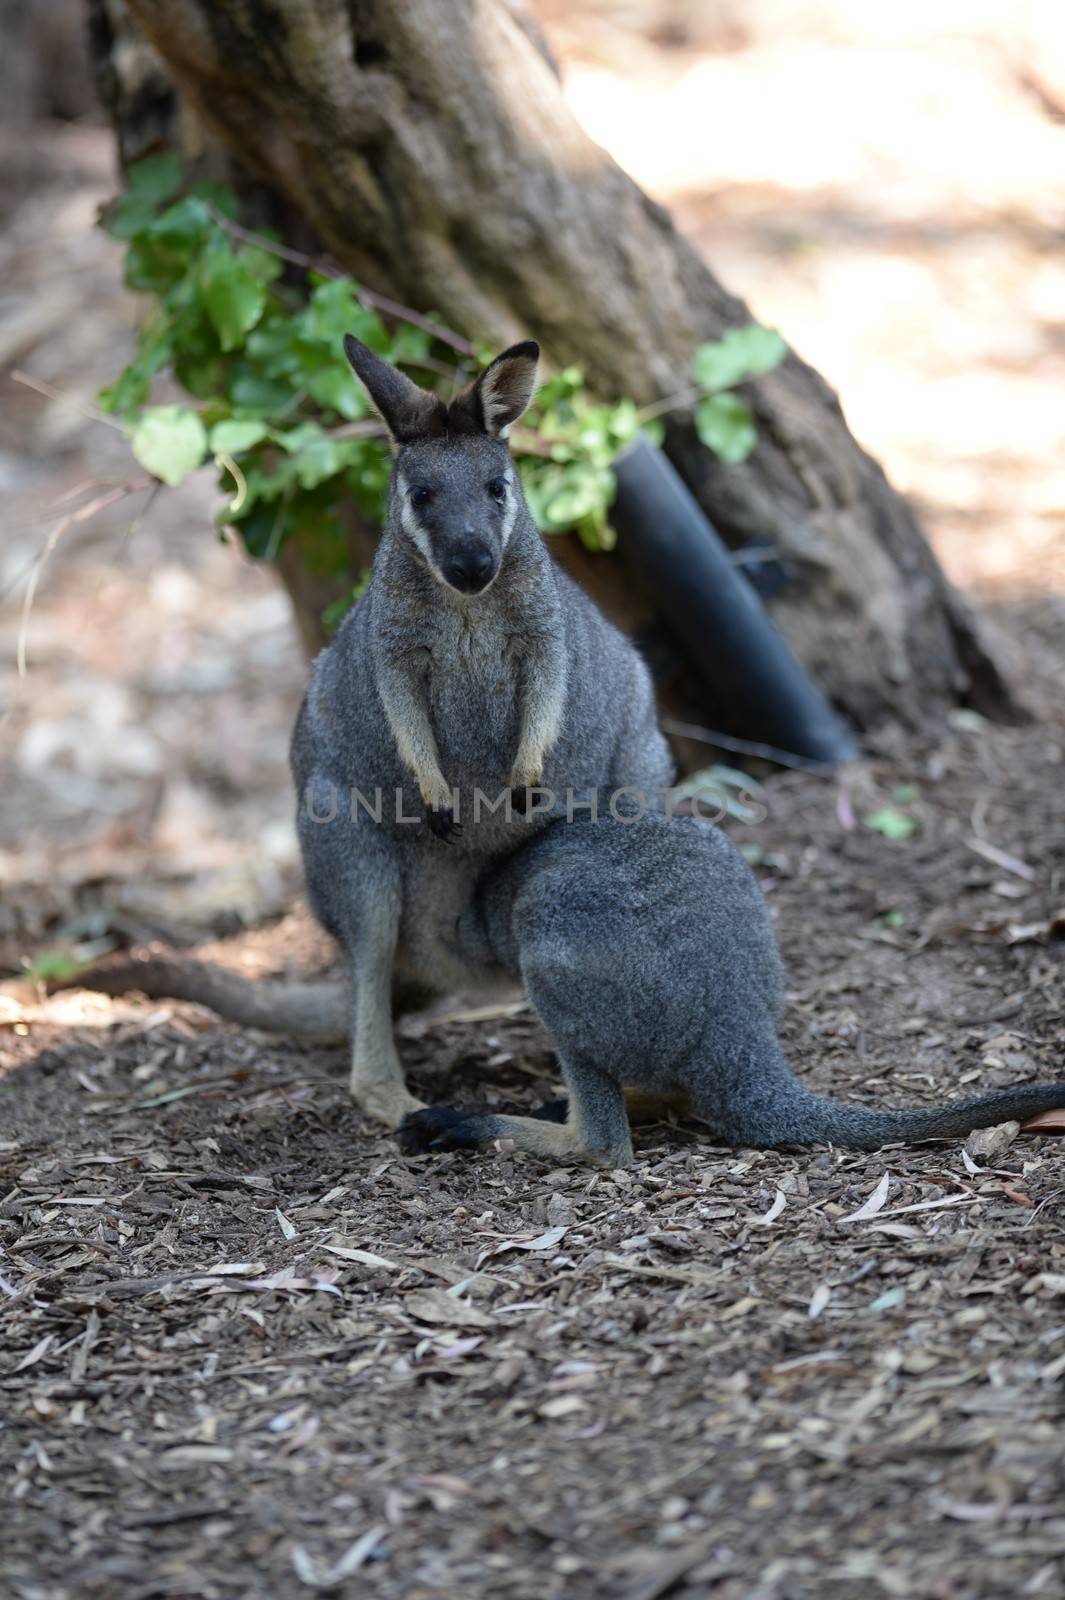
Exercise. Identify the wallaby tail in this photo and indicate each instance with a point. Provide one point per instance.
(771, 1107)
(859, 1128)
(318, 1012)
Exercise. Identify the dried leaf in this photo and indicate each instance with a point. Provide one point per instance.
(563, 1405)
(875, 1203)
(933, 1205)
(1002, 858)
(888, 1300)
(818, 1301)
(543, 1241)
(1045, 1122)
(987, 1144)
(41, 1348)
(774, 1210)
(365, 1257)
(287, 1228)
(318, 1576)
(1049, 1283)
(438, 1307)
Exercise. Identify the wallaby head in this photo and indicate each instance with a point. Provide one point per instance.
(456, 492)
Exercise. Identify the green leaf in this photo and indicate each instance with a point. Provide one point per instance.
(148, 185)
(265, 529)
(335, 310)
(261, 263)
(740, 354)
(233, 296)
(237, 434)
(203, 376)
(339, 389)
(891, 823)
(725, 425)
(128, 392)
(55, 966)
(169, 442)
(410, 345)
(320, 459)
(127, 217)
(155, 178)
(185, 224)
(583, 493)
(250, 391)
(218, 196)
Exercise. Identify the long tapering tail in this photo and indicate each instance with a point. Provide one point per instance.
(859, 1128)
(317, 1012)
(773, 1108)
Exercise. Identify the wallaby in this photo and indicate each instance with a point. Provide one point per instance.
(646, 948)
(472, 672)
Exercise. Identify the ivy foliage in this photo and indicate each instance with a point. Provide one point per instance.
(254, 344)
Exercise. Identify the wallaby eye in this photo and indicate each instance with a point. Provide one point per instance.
(497, 488)
(420, 495)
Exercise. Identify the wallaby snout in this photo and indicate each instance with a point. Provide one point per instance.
(470, 567)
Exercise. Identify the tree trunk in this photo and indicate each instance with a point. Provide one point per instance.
(428, 146)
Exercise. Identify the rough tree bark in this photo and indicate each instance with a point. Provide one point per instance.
(428, 146)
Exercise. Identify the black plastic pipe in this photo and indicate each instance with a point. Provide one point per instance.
(682, 563)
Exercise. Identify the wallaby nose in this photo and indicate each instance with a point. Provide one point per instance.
(469, 569)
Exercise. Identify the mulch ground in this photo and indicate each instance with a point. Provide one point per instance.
(251, 1350)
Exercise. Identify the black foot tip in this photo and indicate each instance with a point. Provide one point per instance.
(428, 1129)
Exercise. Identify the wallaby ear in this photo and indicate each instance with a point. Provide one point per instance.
(408, 411)
(506, 387)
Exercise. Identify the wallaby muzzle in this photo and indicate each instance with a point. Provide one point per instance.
(470, 567)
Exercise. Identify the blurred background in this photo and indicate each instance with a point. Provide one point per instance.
(884, 184)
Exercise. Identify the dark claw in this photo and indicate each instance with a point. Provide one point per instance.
(442, 824)
(521, 800)
(419, 1131)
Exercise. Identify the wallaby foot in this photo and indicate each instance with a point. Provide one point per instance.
(442, 824)
(376, 1084)
(390, 1103)
(456, 1128)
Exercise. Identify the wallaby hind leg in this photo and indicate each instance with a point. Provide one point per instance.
(376, 1082)
(596, 1127)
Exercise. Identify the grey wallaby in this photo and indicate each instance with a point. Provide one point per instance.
(647, 950)
(472, 673)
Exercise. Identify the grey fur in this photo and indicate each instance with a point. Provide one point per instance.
(647, 950)
(318, 1012)
(432, 692)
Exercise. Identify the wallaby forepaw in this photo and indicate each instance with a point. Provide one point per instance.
(428, 1130)
(521, 798)
(442, 824)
